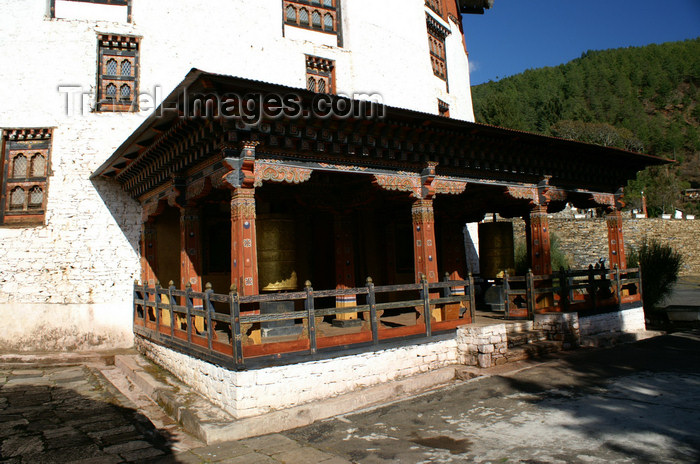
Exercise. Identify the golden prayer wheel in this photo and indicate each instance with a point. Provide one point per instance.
(496, 249)
(276, 252)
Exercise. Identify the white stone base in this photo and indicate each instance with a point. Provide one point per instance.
(65, 327)
(626, 321)
(251, 393)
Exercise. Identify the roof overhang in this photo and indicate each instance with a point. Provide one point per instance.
(177, 136)
(474, 6)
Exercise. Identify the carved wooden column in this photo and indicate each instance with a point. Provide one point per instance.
(244, 250)
(344, 270)
(244, 256)
(425, 259)
(537, 232)
(190, 249)
(616, 244)
(148, 254)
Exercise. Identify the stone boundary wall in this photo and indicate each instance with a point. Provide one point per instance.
(254, 392)
(586, 240)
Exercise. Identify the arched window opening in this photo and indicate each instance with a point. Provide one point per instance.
(316, 19)
(304, 17)
(125, 92)
(311, 84)
(328, 22)
(126, 68)
(38, 168)
(321, 86)
(19, 166)
(111, 91)
(17, 198)
(112, 67)
(36, 197)
(291, 14)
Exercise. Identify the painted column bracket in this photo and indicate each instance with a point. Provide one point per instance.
(278, 171)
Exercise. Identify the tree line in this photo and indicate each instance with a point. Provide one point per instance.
(642, 99)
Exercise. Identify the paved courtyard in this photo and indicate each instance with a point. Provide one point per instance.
(633, 403)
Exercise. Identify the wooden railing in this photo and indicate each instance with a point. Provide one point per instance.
(226, 328)
(571, 290)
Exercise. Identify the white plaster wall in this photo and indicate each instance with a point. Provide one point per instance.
(627, 321)
(86, 254)
(250, 393)
(42, 327)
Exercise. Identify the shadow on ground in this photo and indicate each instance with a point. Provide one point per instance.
(633, 403)
(46, 423)
(647, 388)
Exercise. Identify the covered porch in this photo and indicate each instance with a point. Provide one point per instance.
(287, 237)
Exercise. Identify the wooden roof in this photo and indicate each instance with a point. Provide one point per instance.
(176, 138)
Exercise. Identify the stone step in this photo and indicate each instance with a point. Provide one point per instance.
(211, 424)
(519, 326)
(525, 338)
(533, 350)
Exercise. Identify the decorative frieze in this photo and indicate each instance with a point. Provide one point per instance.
(402, 182)
(277, 171)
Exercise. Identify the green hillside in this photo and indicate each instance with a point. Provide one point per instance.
(642, 99)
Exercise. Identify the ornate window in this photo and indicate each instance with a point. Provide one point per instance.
(24, 162)
(320, 74)
(291, 14)
(117, 75)
(436, 39)
(435, 5)
(319, 15)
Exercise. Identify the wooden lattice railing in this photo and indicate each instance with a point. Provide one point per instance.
(571, 290)
(225, 328)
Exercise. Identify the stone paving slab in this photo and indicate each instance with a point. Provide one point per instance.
(71, 414)
(58, 412)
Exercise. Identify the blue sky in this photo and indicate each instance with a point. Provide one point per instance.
(516, 35)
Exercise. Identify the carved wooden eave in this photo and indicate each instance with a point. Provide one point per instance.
(176, 143)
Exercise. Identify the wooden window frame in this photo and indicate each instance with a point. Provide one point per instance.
(437, 33)
(321, 69)
(29, 143)
(311, 7)
(120, 48)
(126, 3)
(435, 5)
(443, 109)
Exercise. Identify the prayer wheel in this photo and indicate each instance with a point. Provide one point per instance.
(496, 249)
(276, 253)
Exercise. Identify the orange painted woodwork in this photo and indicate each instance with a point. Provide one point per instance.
(425, 256)
(616, 244)
(148, 254)
(244, 256)
(538, 223)
(190, 249)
